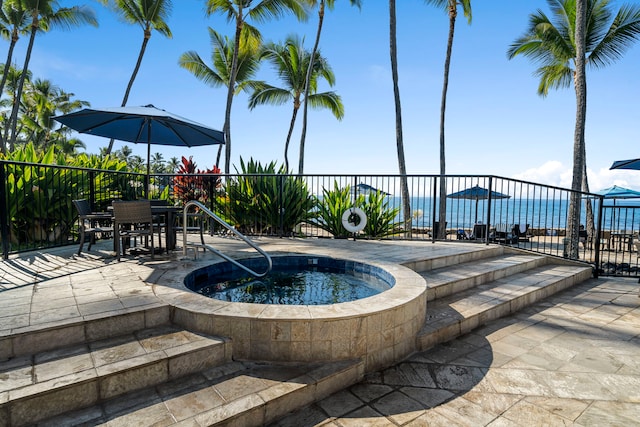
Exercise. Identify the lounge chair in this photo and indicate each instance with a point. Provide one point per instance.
(91, 223)
(520, 230)
(505, 233)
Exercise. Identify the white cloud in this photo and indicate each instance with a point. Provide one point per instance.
(555, 173)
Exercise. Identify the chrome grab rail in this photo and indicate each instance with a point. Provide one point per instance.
(222, 222)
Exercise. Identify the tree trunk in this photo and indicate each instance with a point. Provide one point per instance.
(13, 121)
(232, 82)
(303, 134)
(5, 73)
(143, 48)
(296, 107)
(578, 144)
(406, 204)
(442, 212)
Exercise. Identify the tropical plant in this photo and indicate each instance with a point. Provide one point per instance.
(451, 7)
(219, 74)
(375, 205)
(45, 14)
(239, 12)
(307, 85)
(402, 166)
(380, 216)
(192, 184)
(150, 15)
(332, 206)
(291, 62)
(556, 45)
(266, 199)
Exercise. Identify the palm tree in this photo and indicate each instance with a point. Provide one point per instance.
(321, 8)
(13, 23)
(451, 7)
(402, 166)
(11, 89)
(219, 74)
(239, 12)
(552, 44)
(291, 62)
(173, 164)
(150, 15)
(44, 15)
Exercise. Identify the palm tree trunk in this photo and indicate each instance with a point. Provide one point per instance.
(143, 48)
(406, 204)
(13, 120)
(578, 145)
(232, 82)
(296, 107)
(5, 73)
(303, 134)
(442, 211)
(591, 225)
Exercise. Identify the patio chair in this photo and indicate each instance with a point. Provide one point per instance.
(132, 219)
(91, 223)
(479, 232)
(520, 231)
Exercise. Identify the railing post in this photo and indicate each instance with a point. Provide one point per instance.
(433, 214)
(92, 190)
(280, 205)
(4, 214)
(489, 201)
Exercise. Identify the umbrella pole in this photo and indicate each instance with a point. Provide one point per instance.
(147, 180)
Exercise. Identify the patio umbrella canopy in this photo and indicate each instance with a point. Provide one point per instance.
(633, 164)
(616, 192)
(477, 193)
(146, 125)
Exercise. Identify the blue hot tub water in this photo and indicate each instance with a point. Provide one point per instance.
(294, 280)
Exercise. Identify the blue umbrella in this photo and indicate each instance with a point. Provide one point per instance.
(626, 164)
(477, 193)
(616, 192)
(147, 125)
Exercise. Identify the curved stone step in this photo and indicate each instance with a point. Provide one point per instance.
(459, 313)
(450, 280)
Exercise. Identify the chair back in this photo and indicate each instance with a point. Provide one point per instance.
(82, 206)
(132, 212)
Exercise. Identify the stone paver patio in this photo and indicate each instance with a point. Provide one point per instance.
(573, 359)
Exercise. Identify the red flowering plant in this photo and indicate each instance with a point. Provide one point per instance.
(192, 183)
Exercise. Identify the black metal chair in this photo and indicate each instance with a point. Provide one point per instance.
(132, 219)
(91, 223)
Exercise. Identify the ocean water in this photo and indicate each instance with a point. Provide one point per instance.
(542, 214)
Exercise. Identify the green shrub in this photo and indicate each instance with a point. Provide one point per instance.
(266, 200)
(333, 204)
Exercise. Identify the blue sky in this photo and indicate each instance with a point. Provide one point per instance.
(496, 123)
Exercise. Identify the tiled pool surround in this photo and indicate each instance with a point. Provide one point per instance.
(380, 329)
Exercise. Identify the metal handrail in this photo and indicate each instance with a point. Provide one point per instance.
(222, 222)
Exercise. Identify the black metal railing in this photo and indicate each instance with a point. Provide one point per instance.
(36, 210)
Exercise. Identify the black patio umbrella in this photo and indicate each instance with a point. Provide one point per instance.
(146, 125)
(477, 193)
(626, 164)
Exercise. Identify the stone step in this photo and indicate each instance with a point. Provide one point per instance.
(53, 382)
(238, 394)
(446, 281)
(460, 313)
(39, 338)
(477, 251)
